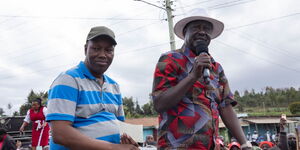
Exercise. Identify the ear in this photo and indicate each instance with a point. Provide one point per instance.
(85, 48)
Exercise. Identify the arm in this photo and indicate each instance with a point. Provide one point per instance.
(25, 122)
(231, 121)
(65, 134)
(172, 95)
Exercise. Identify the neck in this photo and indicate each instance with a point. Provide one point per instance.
(94, 73)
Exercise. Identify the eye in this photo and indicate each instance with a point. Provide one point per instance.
(109, 50)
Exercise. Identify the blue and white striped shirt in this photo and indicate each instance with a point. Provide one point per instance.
(77, 96)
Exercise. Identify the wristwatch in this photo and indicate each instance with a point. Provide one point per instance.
(246, 145)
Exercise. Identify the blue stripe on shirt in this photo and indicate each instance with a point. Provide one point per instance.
(114, 138)
(57, 116)
(96, 118)
(94, 97)
(63, 92)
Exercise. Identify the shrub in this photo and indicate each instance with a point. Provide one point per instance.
(294, 107)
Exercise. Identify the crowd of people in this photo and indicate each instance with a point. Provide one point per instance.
(280, 141)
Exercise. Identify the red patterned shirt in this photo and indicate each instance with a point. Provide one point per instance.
(193, 122)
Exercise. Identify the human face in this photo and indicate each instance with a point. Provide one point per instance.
(35, 105)
(99, 54)
(197, 32)
(150, 139)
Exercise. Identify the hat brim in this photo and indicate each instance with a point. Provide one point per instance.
(218, 26)
(97, 35)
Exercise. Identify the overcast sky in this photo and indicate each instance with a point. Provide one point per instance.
(40, 39)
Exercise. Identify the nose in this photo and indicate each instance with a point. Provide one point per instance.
(101, 53)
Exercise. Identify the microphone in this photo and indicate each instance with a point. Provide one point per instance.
(202, 47)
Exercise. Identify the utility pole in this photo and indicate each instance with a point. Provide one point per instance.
(169, 10)
(170, 22)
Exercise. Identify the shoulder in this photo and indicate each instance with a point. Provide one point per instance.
(173, 54)
(109, 80)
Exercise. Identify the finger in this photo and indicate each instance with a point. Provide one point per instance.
(132, 141)
(203, 54)
(122, 139)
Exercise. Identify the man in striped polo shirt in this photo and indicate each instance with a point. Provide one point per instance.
(85, 105)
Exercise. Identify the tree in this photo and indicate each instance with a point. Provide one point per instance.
(9, 106)
(128, 106)
(31, 96)
(16, 113)
(138, 109)
(149, 109)
(1, 112)
(294, 107)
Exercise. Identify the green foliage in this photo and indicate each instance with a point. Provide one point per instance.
(294, 108)
(271, 98)
(31, 96)
(16, 113)
(134, 110)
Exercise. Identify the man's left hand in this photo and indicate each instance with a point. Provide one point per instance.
(126, 139)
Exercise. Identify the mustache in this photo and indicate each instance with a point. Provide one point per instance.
(201, 36)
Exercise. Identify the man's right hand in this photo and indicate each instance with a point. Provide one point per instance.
(21, 129)
(201, 61)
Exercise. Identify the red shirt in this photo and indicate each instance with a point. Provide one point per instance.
(193, 122)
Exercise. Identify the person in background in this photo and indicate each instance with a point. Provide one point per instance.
(234, 146)
(249, 136)
(268, 135)
(281, 142)
(265, 145)
(149, 141)
(292, 142)
(40, 128)
(254, 137)
(6, 141)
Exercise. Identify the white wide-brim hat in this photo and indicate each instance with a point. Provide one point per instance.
(198, 14)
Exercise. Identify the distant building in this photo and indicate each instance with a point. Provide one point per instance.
(150, 125)
(261, 124)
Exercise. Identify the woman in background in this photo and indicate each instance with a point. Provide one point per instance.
(40, 128)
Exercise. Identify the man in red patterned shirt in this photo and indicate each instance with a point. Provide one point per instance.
(189, 102)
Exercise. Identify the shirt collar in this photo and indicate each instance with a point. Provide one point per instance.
(191, 56)
(85, 71)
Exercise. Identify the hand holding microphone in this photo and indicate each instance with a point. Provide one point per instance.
(202, 61)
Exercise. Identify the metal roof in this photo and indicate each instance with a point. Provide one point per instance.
(266, 120)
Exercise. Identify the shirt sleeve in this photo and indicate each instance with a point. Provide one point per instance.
(45, 111)
(226, 94)
(165, 75)
(27, 117)
(62, 99)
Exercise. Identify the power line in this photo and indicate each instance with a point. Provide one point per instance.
(193, 4)
(138, 28)
(259, 57)
(263, 21)
(52, 68)
(264, 44)
(229, 5)
(73, 18)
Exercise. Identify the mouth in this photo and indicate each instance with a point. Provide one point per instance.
(201, 37)
(102, 63)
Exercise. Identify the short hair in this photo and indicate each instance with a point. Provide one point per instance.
(38, 100)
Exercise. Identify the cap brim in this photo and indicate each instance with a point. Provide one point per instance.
(97, 35)
(218, 26)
